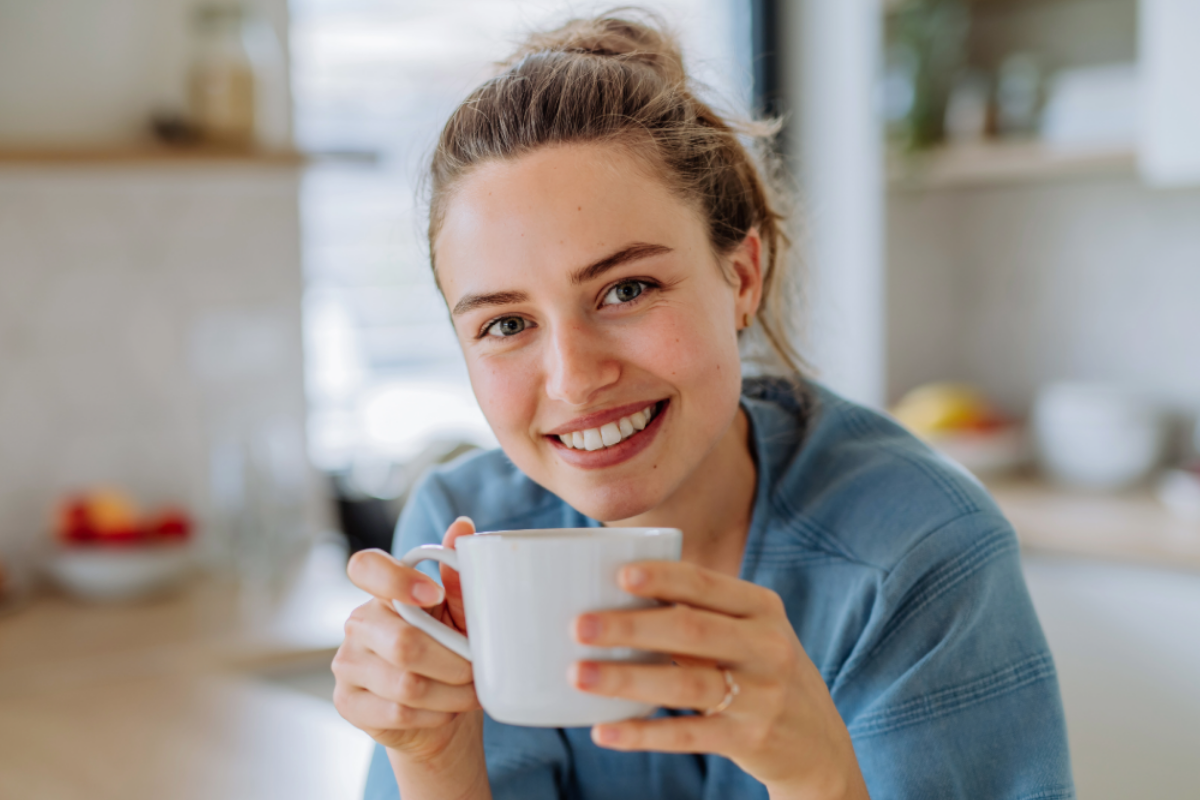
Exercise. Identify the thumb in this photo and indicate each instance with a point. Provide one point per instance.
(463, 526)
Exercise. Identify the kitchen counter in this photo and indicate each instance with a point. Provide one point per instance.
(180, 698)
(1130, 526)
(174, 697)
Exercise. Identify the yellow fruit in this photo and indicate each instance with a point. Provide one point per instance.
(111, 511)
(941, 407)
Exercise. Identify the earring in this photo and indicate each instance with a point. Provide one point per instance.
(746, 320)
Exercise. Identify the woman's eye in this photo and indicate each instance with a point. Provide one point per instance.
(623, 292)
(506, 326)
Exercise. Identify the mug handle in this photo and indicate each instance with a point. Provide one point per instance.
(418, 617)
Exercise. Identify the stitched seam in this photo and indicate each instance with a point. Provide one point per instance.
(773, 559)
(818, 537)
(1053, 793)
(948, 701)
(938, 583)
(953, 574)
(863, 426)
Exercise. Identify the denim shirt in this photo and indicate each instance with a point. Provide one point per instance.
(900, 577)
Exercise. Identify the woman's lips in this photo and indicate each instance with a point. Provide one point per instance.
(614, 454)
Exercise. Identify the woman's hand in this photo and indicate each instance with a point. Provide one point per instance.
(409, 693)
(782, 727)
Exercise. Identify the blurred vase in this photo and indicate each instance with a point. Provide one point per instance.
(926, 46)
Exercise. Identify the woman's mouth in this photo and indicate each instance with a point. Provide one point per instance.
(613, 433)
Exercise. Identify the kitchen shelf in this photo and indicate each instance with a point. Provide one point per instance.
(1130, 526)
(1003, 163)
(151, 156)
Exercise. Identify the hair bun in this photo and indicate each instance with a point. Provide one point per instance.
(627, 38)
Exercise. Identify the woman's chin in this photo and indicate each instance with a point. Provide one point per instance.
(612, 504)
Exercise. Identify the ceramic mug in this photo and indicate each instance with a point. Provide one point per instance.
(521, 592)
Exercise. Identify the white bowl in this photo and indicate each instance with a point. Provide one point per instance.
(1097, 436)
(119, 573)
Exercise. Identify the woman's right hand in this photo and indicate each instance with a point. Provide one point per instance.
(409, 693)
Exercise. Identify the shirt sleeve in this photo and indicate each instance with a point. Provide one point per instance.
(522, 763)
(951, 691)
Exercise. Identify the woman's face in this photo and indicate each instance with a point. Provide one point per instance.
(584, 293)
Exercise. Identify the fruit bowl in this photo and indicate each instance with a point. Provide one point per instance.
(120, 573)
(986, 453)
(960, 422)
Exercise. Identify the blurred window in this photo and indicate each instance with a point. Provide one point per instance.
(373, 82)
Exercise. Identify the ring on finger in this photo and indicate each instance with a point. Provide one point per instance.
(731, 691)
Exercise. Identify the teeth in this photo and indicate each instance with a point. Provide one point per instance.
(610, 434)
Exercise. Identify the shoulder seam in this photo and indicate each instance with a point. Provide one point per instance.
(965, 504)
(1026, 672)
(994, 543)
(816, 535)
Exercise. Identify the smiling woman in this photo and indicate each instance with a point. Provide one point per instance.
(848, 613)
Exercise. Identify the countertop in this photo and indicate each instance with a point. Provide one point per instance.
(1130, 526)
(172, 698)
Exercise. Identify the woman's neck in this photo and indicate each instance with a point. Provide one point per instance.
(714, 505)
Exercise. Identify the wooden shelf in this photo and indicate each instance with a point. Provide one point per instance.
(1003, 163)
(151, 156)
(1130, 526)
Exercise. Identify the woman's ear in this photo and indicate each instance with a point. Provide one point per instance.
(745, 262)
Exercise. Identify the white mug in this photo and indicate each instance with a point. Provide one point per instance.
(521, 591)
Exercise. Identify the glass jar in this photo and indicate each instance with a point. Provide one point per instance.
(223, 85)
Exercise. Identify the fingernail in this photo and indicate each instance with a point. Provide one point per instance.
(587, 628)
(602, 734)
(427, 594)
(586, 675)
(635, 576)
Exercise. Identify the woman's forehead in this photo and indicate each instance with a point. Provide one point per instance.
(559, 206)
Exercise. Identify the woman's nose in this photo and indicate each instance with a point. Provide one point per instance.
(578, 365)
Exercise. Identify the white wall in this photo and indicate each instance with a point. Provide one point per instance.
(1013, 286)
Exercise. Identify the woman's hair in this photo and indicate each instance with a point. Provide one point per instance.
(619, 78)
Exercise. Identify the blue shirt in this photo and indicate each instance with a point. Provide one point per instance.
(900, 577)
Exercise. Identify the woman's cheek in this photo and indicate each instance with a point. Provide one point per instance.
(507, 391)
(679, 346)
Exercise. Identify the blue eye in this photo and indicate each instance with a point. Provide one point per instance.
(506, 326)
(623, 292)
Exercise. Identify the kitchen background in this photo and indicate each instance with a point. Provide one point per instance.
(223, 360)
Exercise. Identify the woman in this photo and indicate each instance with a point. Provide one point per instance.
(849, 614)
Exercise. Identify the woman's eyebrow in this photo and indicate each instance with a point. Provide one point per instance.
(471, 302)
(633, 252)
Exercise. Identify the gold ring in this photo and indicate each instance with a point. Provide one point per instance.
(731, 691)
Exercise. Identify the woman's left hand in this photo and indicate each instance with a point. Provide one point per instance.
(782, 726)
